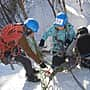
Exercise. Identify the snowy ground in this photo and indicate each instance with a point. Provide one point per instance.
(16, 80)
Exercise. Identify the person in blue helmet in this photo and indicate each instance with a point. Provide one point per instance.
(62, 33)
(15, 38)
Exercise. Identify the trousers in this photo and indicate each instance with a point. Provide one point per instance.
(26, 63)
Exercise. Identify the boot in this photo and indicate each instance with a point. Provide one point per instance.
(33, 79)
(35, 71)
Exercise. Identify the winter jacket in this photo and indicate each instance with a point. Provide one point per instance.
(59, 35)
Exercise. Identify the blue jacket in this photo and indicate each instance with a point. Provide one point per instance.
(59, 35)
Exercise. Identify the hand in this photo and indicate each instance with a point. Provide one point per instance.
(68, 41)
(41, 44)
(42, 65)
(46, 69)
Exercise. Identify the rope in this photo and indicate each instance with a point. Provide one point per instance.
(80, 5)
(61, 68)
(21, 5)
(10, 62)
(52, 8)
(78, 82)
(59, 1)
(44, 76)
(64, 6)
(3, 8)
(3, 15)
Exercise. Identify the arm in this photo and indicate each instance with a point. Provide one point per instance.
(46, 34)
(24, 44)
(72, 33)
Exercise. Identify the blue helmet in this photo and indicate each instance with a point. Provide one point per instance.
(31, 24)
(61, 19)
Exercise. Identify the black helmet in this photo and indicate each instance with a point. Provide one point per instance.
(82, 30)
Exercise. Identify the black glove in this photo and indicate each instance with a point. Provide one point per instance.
(82, 30)
(41, 44)
(42, 65)
(68, 41)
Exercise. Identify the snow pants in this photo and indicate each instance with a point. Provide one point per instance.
(26, 63)
(57, 60)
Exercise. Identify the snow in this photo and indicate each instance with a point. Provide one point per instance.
(39, 9)
(16, 80)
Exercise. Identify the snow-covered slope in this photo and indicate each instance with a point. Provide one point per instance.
(16, 80)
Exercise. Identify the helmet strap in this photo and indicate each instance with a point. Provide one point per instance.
(27, 31)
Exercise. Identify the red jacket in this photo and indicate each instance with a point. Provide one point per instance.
(9, 38)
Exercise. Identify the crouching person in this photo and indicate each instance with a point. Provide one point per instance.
(14, 35)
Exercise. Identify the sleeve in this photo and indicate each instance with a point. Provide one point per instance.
(25, 46)
(72, 33)
(48, 33)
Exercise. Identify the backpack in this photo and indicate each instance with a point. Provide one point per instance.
(9, 37)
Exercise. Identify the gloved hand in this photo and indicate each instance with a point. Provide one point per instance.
(41, 44)
(42, 65)
(68, 41)
(47, 69)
